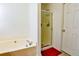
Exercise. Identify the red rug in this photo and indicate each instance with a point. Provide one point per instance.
(50, 52)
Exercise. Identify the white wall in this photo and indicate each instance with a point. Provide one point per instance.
(13, 19)
(33, 18)
(18, 20)
(57, 10)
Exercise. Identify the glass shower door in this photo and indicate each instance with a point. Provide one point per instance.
(46, 29)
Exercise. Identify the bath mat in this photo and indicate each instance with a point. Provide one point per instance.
(50, 52)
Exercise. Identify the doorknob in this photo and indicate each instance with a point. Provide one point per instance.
(63, 30)
(48, 25)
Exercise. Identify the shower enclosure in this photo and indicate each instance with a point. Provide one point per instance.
(46, 26)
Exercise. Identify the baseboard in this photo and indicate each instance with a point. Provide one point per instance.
(65, 53)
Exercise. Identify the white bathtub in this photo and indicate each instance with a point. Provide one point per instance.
(15, 44)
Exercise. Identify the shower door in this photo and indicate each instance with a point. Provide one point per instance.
(46, 29)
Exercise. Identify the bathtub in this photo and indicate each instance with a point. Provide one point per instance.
(11, 45)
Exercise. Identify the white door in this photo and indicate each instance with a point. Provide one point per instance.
(70, 43)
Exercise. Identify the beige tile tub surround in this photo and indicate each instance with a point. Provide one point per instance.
(45, 6)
